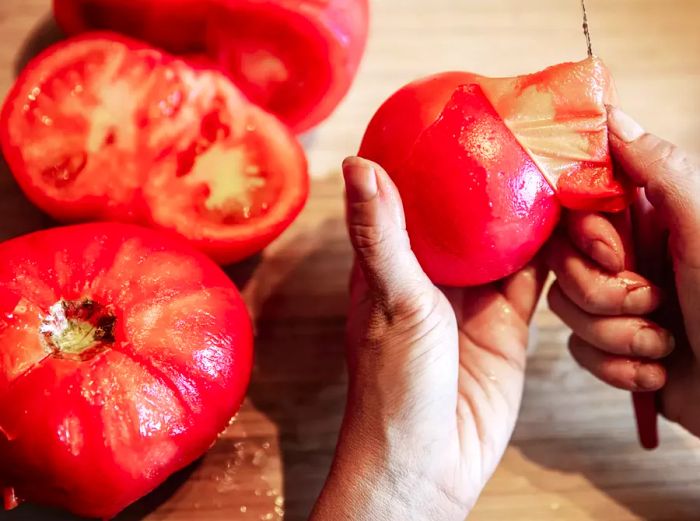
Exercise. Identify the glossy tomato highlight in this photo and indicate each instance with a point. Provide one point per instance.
(123, 354)
(106, 128)
(470, 156)
(295, 58)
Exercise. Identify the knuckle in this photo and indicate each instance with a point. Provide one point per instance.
(591, 300)
(367, 239)
(672, 161)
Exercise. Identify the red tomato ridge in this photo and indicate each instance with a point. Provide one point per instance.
(119, 422)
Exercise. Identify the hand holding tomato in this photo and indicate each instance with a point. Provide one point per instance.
(436, 375)
(607, 307)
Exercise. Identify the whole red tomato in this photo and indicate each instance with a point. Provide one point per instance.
(105, 128)
(123, 354)
(482, 164)
(295, 58)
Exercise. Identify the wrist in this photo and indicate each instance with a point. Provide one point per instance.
(375, 479)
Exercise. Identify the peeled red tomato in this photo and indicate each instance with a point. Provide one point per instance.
(484, 164)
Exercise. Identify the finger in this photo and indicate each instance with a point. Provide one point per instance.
(524, 288)
(377, 231)
(622, 372)
(357, 283)
(596, 236)
(672, 185)
(596, 291)
(628, 336)
(651, 242)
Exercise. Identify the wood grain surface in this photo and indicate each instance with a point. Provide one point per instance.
(574, 455)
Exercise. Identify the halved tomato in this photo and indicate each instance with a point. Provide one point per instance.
(176, 25)
(105, 128)
(123, 354)
(295, 58)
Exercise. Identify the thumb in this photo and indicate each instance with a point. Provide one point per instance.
(672, 185)
(377, 230)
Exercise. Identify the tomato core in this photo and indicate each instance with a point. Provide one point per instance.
(78, 329)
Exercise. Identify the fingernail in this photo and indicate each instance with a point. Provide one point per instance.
(603, 254)
(641, 300)
(650, 342)
(360, 180)
(623, 126)
(649, 377)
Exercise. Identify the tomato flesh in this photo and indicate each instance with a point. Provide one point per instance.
(474, 214)
(102, 128)
(123, 353)
(295, 58)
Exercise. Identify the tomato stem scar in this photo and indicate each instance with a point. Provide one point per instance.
(78, 329)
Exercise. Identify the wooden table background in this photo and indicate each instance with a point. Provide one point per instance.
(573, 456)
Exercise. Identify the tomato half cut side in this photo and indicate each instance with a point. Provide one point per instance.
(233, 180)
(100, 128)
(72, 125)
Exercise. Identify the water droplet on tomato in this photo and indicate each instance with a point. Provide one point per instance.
(34, 93)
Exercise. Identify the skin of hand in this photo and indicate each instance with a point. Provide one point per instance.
(435, 374)
(628, 331)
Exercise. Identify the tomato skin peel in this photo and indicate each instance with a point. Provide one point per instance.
(102, 127)
(92, 435)
(461, 205)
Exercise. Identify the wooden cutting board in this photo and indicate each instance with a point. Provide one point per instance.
(574, 456)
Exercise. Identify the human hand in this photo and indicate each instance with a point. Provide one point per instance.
(436, 374)
(609, 307)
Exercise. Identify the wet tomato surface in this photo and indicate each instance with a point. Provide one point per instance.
(123, 354)
(106, 128)
(484, 164)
